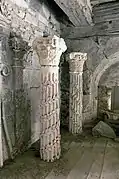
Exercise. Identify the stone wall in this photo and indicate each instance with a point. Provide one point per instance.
(27, 20)
(105, 87)
(111, 77)
(102, 53)
(30, 18)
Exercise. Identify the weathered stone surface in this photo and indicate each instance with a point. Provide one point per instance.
(20, 23)
(22, 120)
(103, 129)
(102, 54)
(79, 12)
(49, 51)
(76, 62)
(29, 23)
(10, 120)
(111, 76)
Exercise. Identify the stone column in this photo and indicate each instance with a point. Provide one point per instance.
(49, 50)
(22, 123)
(5, 72)
(76, 62)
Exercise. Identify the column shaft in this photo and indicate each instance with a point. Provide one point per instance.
(49, 50)
(76, 62)
(75, 118)
(50, 122)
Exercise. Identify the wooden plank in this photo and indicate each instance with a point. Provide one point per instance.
(96, 2)
(103, 29)
(68, 161)
(106, 11)
(83, 167)
(74, 10)
(111, 162)
(96, 169)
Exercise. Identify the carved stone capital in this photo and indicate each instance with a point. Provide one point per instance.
(76, 61)
(49, 50)
(18, 45)
(5, 70)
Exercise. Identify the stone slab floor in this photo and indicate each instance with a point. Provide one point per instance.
(83, 157)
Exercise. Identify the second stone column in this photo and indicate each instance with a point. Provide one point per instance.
(76, 62)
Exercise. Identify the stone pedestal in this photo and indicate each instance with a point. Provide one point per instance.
(49, 50)
(76, 62)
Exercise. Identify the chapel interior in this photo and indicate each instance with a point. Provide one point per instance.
(59, 89)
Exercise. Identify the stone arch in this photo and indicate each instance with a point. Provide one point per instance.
(111, 76)
(99, 71)
(108, 80)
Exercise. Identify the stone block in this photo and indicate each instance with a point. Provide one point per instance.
(35, 103)
(103, 129)
(18, 76)
(35, 61)
(26, 78)
(20, 3)
(31, 19)
(35, 131)
(34, 78)
(46, 11)
(21, 13)
(86, 103)
(8, 108)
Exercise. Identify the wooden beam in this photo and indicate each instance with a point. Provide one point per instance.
(103, 29)
(78, 11)
(96, 2)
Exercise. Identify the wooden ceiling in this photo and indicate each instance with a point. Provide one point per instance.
(96, 2)
(78, 11)
(86, 13)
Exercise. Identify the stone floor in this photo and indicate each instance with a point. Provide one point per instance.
(82, 158)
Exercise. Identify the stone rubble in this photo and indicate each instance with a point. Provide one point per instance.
(103, 129)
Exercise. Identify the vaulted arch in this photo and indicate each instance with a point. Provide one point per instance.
(99, 71)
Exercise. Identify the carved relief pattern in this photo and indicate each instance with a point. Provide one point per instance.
(50, 122)
(49, 50)
(75, 103)
(76, 62)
